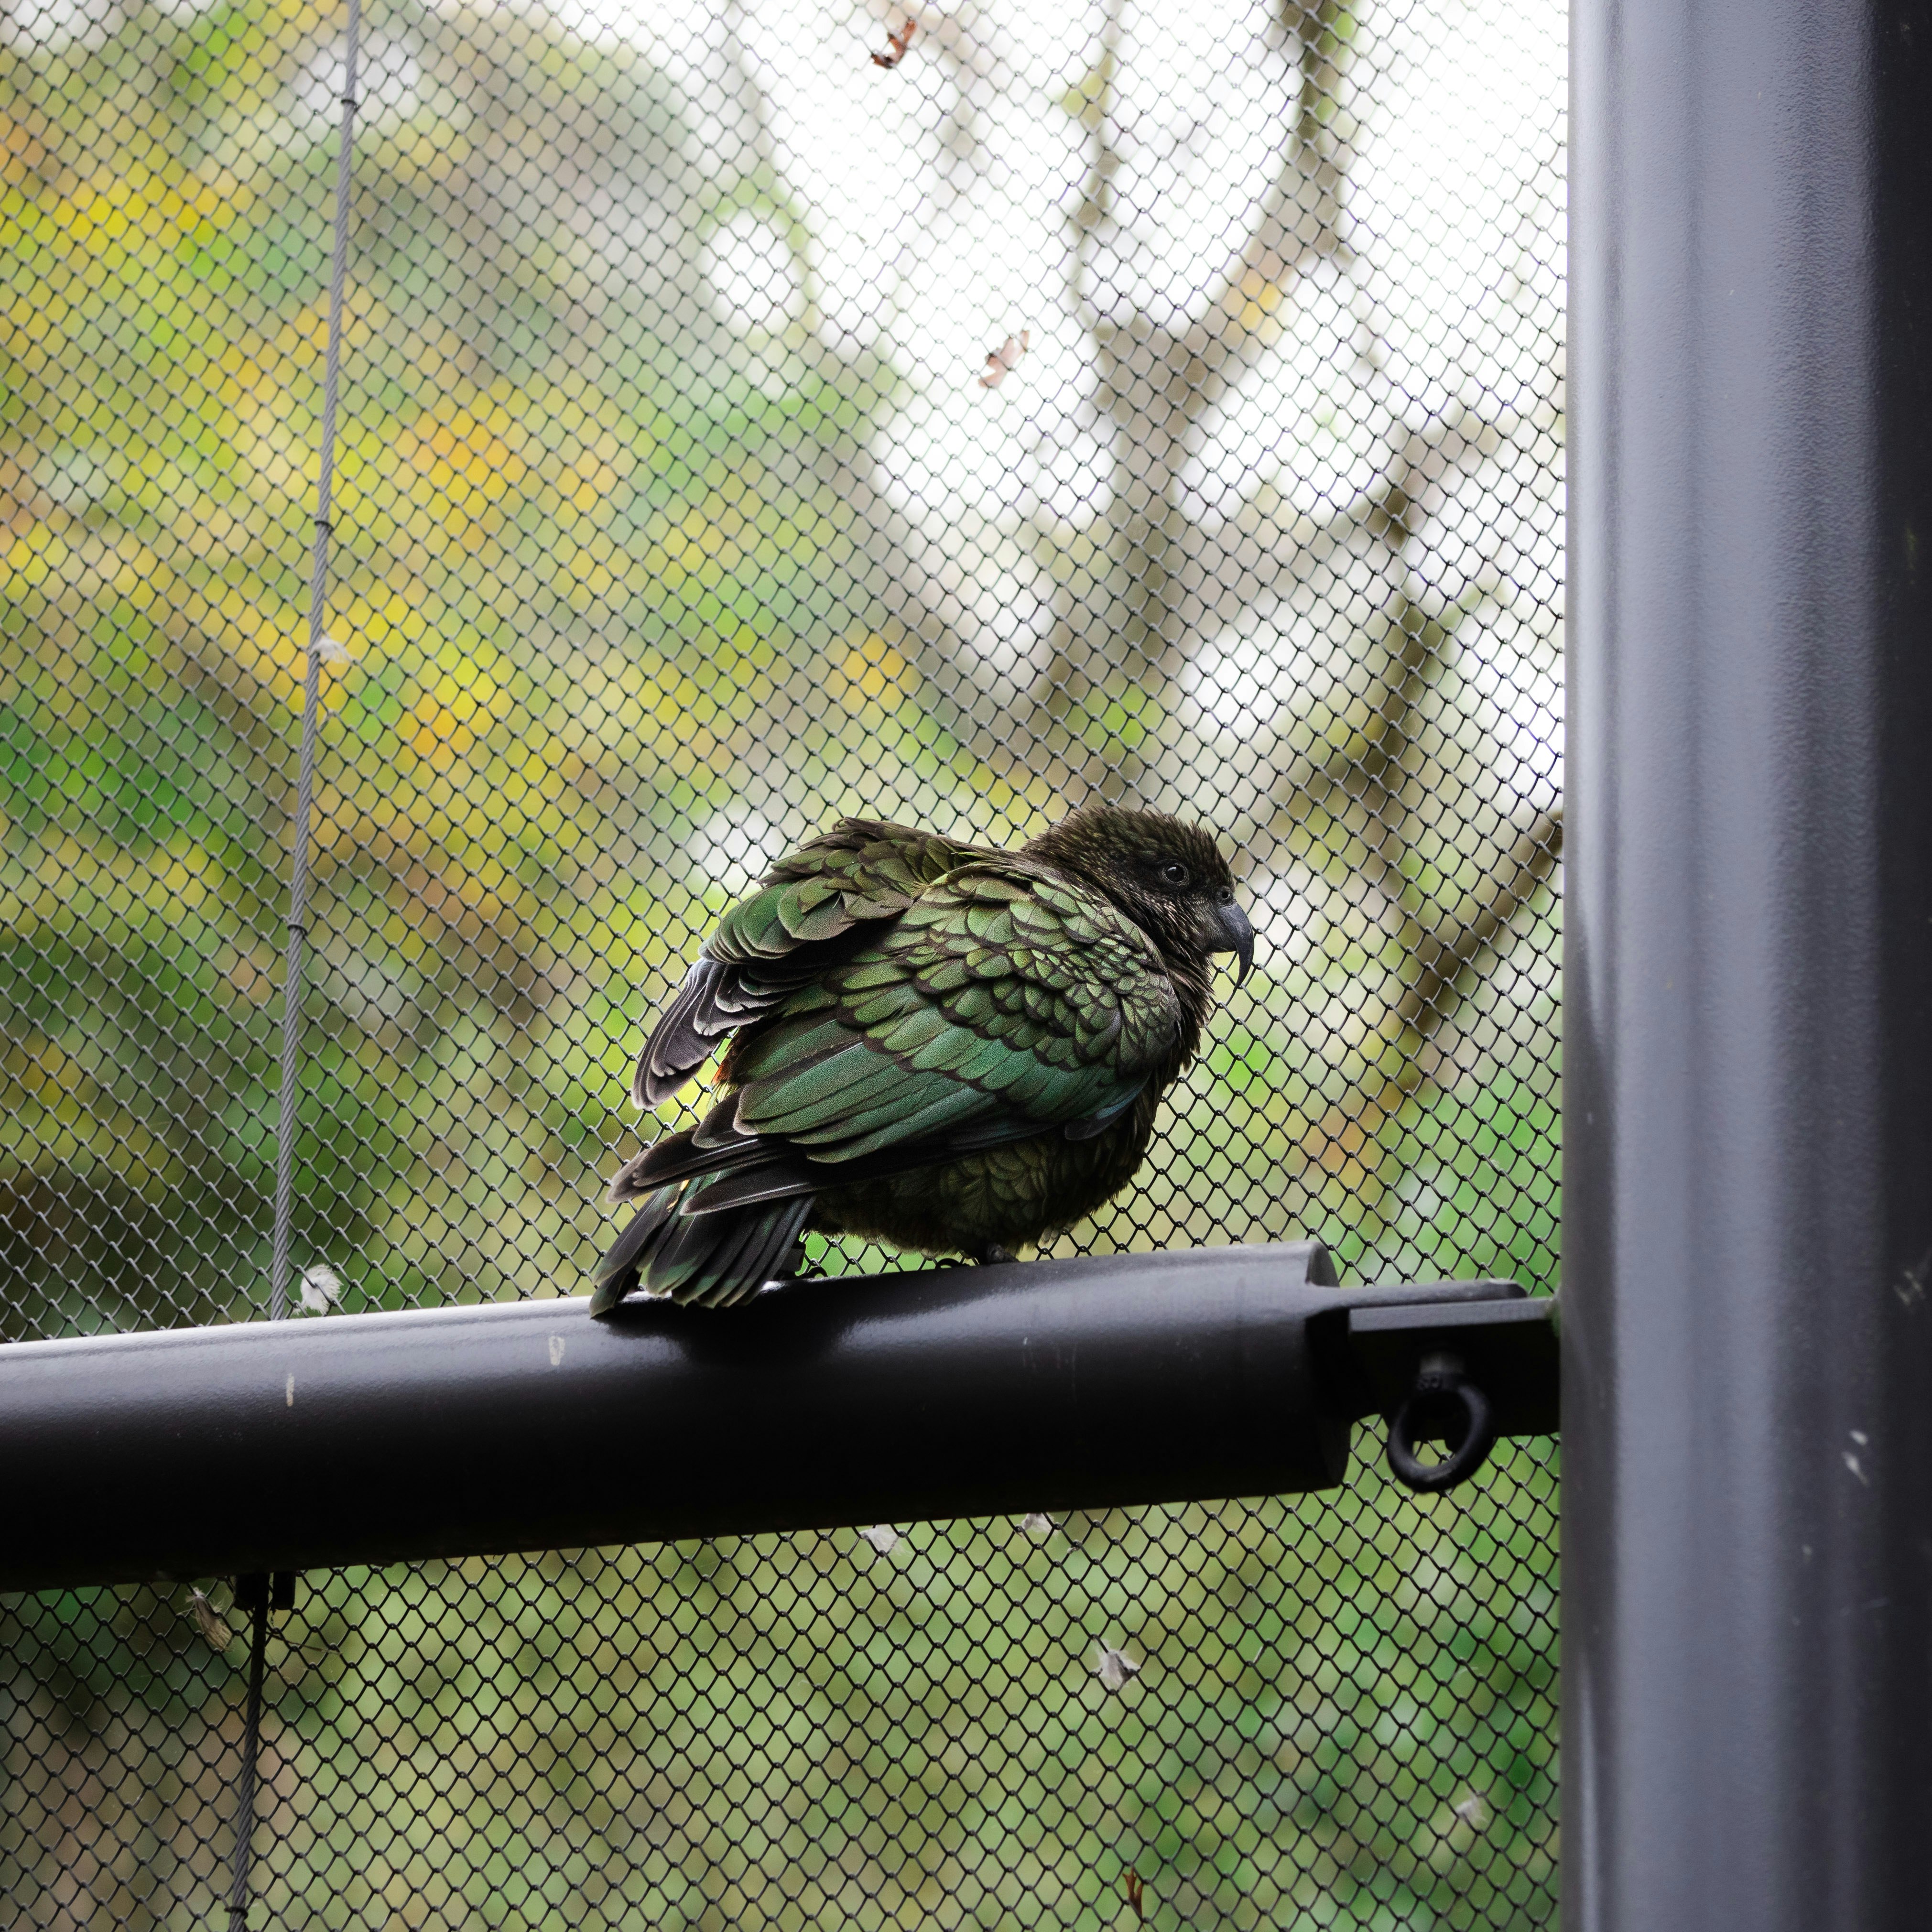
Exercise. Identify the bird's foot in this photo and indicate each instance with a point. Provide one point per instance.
(990, 1254)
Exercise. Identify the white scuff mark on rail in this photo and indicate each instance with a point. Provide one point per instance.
(556, 1351)
(1910, 1288)
(290, 1391)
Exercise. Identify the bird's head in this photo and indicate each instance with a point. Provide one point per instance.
(1169, 878)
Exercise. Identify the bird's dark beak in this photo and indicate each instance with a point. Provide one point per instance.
(1236, 936)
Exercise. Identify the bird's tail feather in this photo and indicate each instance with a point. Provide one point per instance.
(618, 1272)
(710, 1260)
(676, 1157)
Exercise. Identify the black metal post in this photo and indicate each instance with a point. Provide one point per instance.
(1748, 1407)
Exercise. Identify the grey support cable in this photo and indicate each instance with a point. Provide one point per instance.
(285, 1133)
(251, 1738)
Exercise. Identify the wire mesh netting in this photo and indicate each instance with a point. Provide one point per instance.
(753, 413)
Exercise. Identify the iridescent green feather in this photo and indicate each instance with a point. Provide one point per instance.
(951, 1025)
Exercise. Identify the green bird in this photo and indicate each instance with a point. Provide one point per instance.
(948, 1047)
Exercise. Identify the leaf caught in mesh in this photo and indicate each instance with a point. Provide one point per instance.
(1471, 1810)
(1001, 362)
(1135, 1890)
(321, 1288)
(1038, 1524)
(883, 1537)
(208, 1620)
(897, 41)
(1114, 1667)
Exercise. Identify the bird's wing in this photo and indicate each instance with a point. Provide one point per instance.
(861, 872)
(1006, 1003)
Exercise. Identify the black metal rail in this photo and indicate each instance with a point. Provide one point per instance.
(274, 1447)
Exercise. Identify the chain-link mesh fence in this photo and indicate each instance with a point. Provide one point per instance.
(751, 414)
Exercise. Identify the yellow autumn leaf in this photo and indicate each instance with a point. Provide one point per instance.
(871, 672)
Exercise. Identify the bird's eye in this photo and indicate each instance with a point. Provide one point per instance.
(1175, 873)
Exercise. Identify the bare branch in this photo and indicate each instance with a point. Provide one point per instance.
(1345, 1141)
(1447, 952)
(1402, 646)
(1156, 382)
(1187, 370)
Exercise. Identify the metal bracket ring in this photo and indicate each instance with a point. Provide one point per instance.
(1443, 1403)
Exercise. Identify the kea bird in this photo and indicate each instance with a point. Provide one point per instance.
(948, 1047)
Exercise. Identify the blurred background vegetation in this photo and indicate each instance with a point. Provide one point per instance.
(674, 520)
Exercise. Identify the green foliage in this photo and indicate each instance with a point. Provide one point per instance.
(566, 589)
